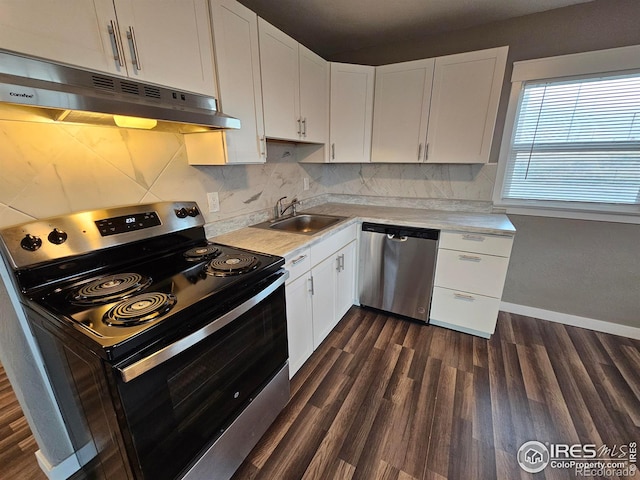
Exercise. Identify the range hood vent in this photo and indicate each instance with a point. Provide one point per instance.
(33, 89)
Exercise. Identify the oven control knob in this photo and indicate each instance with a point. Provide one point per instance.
(193, 212)
(57, 236)
(181, 212)
(31, 243)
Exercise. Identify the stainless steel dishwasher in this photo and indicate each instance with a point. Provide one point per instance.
(397, 266)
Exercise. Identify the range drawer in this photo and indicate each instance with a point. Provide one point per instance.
(499, 245)
(471, 272)
(452, 308)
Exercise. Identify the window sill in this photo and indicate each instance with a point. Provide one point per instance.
(573, 214)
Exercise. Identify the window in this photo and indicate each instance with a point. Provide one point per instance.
(574, 142)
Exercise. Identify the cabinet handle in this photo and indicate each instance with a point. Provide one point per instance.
(342, 261)
(304, 127)
(333, 151)
(426, 151)
(263, 149)
(469, 258)
(299, 126)
(338, 263)
(462, 296)
(311, 290)
(298, 260)
(117, 55)
(134, 48)
(419, 151)
(473, 238)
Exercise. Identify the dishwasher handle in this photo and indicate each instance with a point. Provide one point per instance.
(397, 238)
(399, 232)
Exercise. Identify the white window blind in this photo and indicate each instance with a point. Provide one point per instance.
(577, 141)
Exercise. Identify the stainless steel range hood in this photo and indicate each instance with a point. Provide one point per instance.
(33, 89)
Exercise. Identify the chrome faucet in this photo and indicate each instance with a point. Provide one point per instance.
(281, 209)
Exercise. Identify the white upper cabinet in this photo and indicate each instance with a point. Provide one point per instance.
(464, 105)
(235, 31)
(401, 111)
(169, 46)
(351, 113)
(66, 31)
(440, 110)
(295, 88)
(314, 96)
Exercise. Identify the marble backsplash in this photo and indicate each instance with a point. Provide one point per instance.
(53, 169)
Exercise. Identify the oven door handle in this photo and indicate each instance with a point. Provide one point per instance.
(136, 369)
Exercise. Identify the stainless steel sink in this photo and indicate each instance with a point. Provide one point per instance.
(305, 223)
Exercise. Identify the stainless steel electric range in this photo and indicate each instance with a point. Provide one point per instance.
(167, 353)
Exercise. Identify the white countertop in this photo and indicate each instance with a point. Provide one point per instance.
(288, 244)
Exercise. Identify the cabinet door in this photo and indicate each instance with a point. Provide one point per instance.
(314, 96)
(67, 31)
(323, 277)
(345, 280)
(280, 82)
(401, 105)
(299, 322)
(235, 31)
(464, 104)
(169, 44)
(351, 113)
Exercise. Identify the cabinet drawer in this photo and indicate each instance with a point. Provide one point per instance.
(332, 244)
(471, 272)
(477, 242)
(471, 313)
(298, 264)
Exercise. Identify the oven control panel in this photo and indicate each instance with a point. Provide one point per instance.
(77, 233)
(127, 223)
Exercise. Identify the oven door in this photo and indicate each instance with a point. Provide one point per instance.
(180, 399)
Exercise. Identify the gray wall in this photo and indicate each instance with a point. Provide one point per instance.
(584, 268)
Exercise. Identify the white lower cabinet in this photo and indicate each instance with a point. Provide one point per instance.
(299, 326)
(319, 291)
(470, 274)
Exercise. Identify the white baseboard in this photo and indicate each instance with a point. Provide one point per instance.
(61, 471)
(574, 320)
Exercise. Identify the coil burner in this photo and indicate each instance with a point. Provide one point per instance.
(202, 253)
(234, 264)
(139, 309)
(110, 288)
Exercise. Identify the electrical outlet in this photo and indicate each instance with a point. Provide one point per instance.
(305, 183)
(214, 202)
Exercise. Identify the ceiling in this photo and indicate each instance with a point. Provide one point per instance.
(330, 27)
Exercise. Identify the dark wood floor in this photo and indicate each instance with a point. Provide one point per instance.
(388, 399)
(17, 445)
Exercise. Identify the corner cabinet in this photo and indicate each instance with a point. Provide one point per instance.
(470, 273)
(170, 46)
(319, 291)
(295, 88)
(351, 113)
(401, 106)
(440, 110)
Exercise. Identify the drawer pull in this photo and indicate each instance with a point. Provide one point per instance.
(469, 258)
(473, 238)
(296, 261)
(462, 296)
